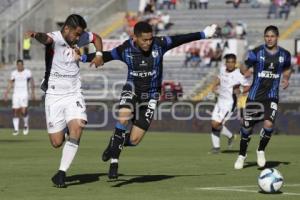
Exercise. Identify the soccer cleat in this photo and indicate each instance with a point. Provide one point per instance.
(25, 130)
(106, 155)
(59, 179)
(15, 133)
(113, 171)
(230, 141)
(261, 160)
(215, 150)
(239, 163)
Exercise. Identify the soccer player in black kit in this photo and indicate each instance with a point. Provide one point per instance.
(143, 55)
(267, 63)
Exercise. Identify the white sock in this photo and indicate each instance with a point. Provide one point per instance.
(16, 123)
(68, 154)
(215, 139)
(114, 160)
(225, 131)
(26, 119)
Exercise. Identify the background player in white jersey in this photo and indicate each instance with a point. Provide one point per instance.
(227, 86)
(20, 79)
(64, 103)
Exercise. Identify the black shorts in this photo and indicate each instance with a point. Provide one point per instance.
(259, 111)
(142, 110)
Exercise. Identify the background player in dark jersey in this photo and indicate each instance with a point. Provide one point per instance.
(143, 55)
(267, 62)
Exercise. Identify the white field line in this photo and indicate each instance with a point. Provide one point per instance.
(240, 189)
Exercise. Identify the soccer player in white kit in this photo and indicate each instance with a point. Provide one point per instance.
(19, 79)
(227, 86)
(64, 103)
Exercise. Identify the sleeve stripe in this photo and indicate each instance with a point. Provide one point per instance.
(202, 35)
(169, 41)
(115, 54)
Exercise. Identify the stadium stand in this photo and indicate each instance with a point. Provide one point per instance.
(193, 80)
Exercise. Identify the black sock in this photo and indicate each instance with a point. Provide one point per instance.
(244, 146)
(245, 139)
(265, 135)
(117, 143)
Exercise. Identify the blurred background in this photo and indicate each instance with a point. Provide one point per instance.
(189, 70)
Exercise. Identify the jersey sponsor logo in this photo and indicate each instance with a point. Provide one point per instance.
(271, 66)
(154, 53)
(58, 75)
(142, 74)
(262, 58)
(268, 74)
(143, 64)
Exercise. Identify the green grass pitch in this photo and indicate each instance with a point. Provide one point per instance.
(164, 166)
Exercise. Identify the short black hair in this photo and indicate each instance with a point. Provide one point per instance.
(272, 28)
(20, 61)
(74, 21)
(142, 27)
(230, 56)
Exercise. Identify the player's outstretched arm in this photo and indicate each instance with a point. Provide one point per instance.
(43, 38)
(177, 40)
(98, 58)
(106, 56)
(247, 72)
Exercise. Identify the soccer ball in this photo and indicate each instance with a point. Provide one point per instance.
(270, 180)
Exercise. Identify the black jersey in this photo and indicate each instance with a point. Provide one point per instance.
(145, 69)
(267, 70)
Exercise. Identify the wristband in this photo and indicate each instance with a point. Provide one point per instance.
(99, 53)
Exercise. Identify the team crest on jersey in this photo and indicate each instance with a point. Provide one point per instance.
(154, 53)
(281, 59)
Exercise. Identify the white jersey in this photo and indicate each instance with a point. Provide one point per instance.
(64, 70)
(227, 82)
(21, 80)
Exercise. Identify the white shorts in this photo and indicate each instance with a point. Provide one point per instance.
(222, 113)
(19, 102)
(61, 109)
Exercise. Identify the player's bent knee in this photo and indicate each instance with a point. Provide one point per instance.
(57, 139)
(268, 124)
(216, 125)
(56, 144)
(245, 132)
(134, 141)
(144, 125)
